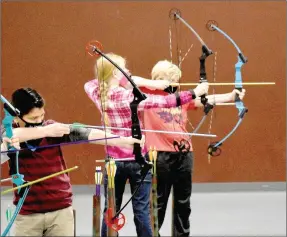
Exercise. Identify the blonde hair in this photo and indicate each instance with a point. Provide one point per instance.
(104, 71)
(165, 70)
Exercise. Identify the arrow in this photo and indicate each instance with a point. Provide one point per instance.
(39, 180)
(226, 84)
(145, 130)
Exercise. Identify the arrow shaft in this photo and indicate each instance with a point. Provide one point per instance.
(39, 180)
(6, 180)
(61, 144)
(226, 84)
(147, 130)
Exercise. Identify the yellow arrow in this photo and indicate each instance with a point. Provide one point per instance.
(111, 171)
(38, 180)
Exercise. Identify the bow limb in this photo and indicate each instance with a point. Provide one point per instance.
(205, 52)
(213, 148)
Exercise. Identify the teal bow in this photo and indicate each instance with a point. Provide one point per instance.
(17, 178)
(213, 149)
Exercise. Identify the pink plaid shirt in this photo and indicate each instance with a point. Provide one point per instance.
(119, 113)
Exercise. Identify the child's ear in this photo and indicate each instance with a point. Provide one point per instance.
(17, 121)
(115, 73)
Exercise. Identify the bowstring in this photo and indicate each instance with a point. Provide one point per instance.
(214, 69)
(179, 58)
(103, 115)
(178, 54)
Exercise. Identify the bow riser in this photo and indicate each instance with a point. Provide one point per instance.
(238, 85)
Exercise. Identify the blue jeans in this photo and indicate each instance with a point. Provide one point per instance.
(140, 202)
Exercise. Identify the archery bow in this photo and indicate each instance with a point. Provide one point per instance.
(213, 149)
(17, 178)
(94, 49)
(205, 52)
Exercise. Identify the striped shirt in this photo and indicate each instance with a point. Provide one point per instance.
(52, 194)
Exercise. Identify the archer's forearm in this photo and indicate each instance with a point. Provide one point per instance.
(26, 134)
(214, 99)
(99, 134)
(142, 82)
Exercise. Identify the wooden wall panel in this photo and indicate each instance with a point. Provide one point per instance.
(43, 46)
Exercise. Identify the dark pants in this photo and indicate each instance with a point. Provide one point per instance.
(141, 202)
(175, 170)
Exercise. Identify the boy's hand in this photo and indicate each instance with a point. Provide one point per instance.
(56, 130)
(12, 142)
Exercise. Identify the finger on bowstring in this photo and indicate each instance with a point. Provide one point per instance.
(17, 146)
(15, 141)
(6, 139)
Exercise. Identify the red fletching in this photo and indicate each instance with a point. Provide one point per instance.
(92, 47)
(117, 223)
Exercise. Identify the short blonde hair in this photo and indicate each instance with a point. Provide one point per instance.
(165, 70)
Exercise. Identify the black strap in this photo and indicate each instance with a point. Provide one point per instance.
(178, 101)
